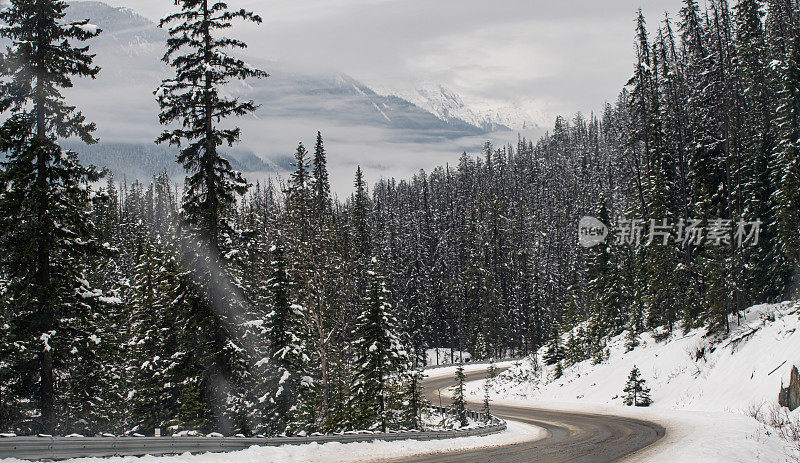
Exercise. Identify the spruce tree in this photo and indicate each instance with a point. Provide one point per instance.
(459, 404)
(635, 327)
(216, 365)
(299, 200)
(360, 220)
(758, 140)
(607, 288)
(559, 370)
(380, 359)
(316, 274)
(414, 402)
(203, 66)
(555, 351)
(285, 344)
(636, 393)
(154, 350)
(46, 231)
(320, 183)
(491, 372)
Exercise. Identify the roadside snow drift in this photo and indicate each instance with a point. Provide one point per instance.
(336, 452)
(704, 392)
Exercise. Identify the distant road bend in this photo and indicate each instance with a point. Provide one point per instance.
(571, 437)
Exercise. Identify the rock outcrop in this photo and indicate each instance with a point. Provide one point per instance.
(790, 396)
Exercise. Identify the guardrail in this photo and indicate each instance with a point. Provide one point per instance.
(54, 448)
(480, 362)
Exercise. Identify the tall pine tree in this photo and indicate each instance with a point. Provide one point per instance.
(46, 232)
(204, 63)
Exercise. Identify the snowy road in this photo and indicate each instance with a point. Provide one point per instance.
(573, 437)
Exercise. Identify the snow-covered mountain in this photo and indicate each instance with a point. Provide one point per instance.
(448, 105)
(132, 43)
(386, 133)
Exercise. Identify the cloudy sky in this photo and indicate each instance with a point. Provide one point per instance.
(548, 57)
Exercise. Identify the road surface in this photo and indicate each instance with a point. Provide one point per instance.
(571, 437)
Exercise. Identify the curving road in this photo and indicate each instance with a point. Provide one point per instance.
(571, 437)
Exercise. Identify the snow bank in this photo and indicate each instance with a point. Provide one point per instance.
(704, 390)
(335, 452)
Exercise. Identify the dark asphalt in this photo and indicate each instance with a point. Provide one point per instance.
(571, 437)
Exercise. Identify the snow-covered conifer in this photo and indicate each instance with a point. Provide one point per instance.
(46, 230)
(636, 393)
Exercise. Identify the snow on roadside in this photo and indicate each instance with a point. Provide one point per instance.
(703, 392)
(336, 452)
(450, 370)
(692, 436)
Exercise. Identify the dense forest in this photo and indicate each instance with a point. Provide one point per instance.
(273, 308)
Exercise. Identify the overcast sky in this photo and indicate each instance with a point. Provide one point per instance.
(550, 57)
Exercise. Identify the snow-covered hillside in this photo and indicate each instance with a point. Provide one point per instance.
(686, 371)
(729, 379)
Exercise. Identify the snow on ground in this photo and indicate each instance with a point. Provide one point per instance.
(335, 452)
(441, 356)
(704, 392)
(446, 422)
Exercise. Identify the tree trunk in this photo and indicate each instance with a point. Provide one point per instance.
(45, 312)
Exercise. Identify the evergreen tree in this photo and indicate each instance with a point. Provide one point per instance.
(607, 286)
(216, 365)
(459, 405)
(758, 140)
(555, 351)
(414, 402)
(360, 220)
(155, 353)
(320, 183)
(380, 359)
(636, 393)
(559, 370)
(285, 345)
(46, 231)
(299, 196)
(317, 274)
(203, 65)
(786, 168)
(490, 374)
(635, 327)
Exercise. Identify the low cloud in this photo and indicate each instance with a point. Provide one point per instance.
(563, 57)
